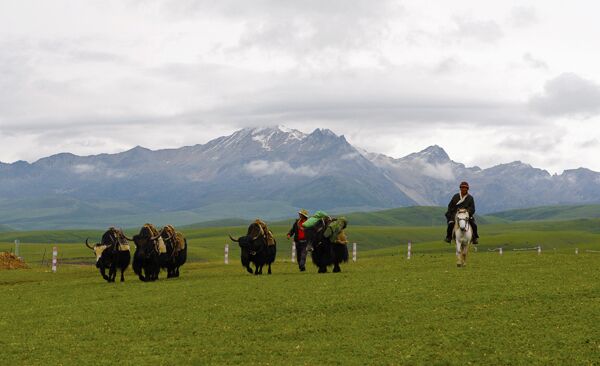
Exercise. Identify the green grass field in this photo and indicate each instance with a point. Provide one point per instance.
(518, 308)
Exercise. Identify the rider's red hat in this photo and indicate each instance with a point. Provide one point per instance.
(464, 184)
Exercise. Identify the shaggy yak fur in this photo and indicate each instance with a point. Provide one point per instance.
(112, 253)
(324, 252)
(176, 247)
(146, 258)
(255, 249)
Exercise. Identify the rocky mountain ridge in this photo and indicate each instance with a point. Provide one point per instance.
(266, 172)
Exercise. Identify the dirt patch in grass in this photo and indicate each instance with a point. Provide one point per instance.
(11, 261)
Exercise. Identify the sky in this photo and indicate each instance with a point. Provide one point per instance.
(491, 82)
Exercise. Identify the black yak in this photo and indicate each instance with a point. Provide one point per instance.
(176, 251)
(325, 251)
(148, 248)
(258, 247)
(113, 253)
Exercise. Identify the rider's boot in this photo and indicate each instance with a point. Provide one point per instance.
(475, 232)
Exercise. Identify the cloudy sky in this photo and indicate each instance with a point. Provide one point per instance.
(491, 82)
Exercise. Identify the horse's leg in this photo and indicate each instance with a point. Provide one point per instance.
(465, 252)
(458, 252)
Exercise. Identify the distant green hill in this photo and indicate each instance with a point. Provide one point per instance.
(553, 213)
(403, 216)
(5, 228)
(217, 223)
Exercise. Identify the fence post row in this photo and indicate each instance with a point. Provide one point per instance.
(226, 253)
(409, 253)
(293, 251)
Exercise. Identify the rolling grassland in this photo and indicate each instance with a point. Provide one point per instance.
(518, 308)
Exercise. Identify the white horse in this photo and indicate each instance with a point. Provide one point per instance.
(463, 234)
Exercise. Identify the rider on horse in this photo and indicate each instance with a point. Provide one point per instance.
(461, 200)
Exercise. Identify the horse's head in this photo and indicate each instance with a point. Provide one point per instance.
(462, 218)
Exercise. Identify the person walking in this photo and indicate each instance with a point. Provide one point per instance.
(297, 231)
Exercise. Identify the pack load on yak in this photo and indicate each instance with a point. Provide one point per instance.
(268, 233)
(314, 219)
(335, 231)
(175, 237)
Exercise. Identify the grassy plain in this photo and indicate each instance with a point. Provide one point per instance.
(518, 308)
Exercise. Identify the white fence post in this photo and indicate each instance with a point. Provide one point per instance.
(576, 251)
(539, 249)
(354, 252)
(500, 251)
(54, 259)
(293, 251)
(17, 242)
(226, 253)
(409, 252)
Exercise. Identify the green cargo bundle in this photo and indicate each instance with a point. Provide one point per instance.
(312, 221)
(335, 230)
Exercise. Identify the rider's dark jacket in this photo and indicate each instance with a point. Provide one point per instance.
(468, 203)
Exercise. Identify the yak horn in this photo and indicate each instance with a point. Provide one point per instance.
(233, 240)
(87, 245)
(159, 235)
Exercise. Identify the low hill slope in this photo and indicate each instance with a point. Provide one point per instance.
(5, 228)
(553, 213)
(404, 216)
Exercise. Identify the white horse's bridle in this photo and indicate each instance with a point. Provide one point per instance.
(462, 218)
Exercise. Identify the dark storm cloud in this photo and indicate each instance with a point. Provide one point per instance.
(568, 95)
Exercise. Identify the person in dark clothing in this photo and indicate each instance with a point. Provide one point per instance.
(297, 231)
(461, 200)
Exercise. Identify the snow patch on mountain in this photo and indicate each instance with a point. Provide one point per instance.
(263, 167)
(443, 171)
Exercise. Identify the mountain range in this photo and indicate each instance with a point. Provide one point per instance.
(262, 172)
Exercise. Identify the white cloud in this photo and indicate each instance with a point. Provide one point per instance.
(438, 171)
(487, 31)
(392, 76)
(83, 168)
(534, 62)
(568, 95)
(523, 16)
(263, 167)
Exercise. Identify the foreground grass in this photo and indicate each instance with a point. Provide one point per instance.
(519, 308)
